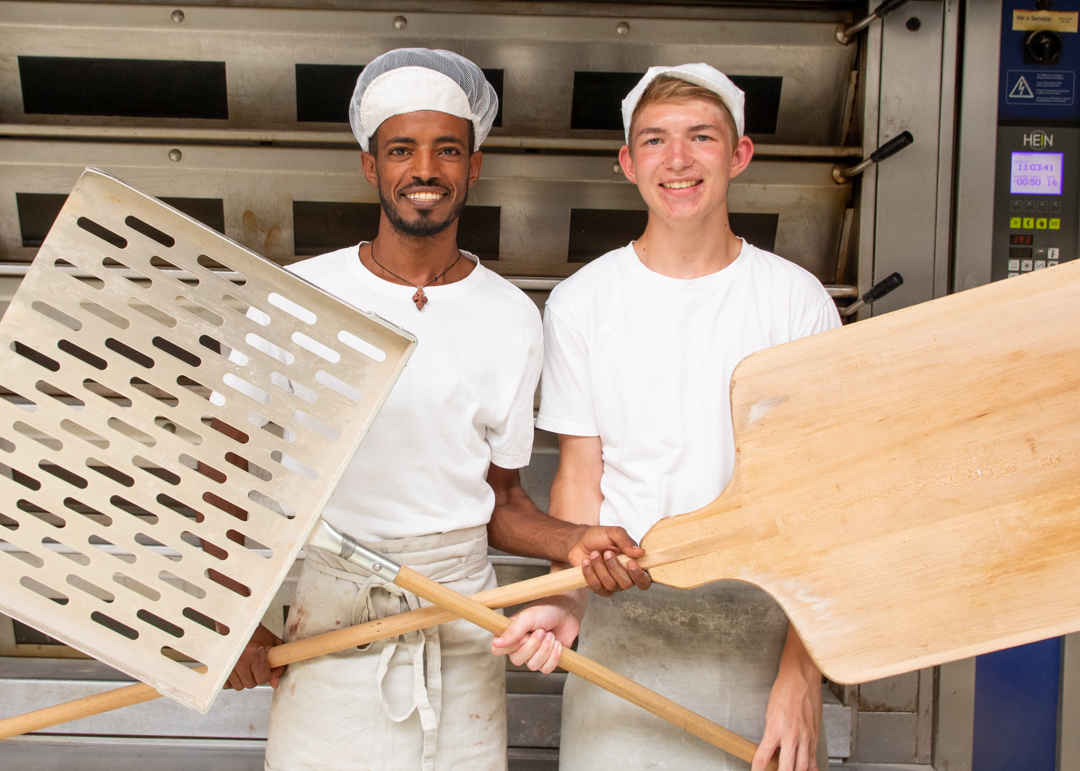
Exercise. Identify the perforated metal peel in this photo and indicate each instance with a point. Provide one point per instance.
(176, 413)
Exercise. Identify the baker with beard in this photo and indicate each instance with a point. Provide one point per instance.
(436, 479)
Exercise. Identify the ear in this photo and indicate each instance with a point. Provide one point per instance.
(627, 163)
(476, 160)
(371, 172)
(744, 152)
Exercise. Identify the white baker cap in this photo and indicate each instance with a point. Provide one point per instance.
(700, 75)
(414, 79)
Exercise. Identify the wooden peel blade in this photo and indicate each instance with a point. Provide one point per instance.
(913, 481)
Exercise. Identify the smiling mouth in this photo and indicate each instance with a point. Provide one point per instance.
(424, 197)
(681, 185)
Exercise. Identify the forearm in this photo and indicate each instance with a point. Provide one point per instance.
(795, 660)
(519, 527)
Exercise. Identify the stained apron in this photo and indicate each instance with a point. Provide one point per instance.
(431, 700)
(715, 649)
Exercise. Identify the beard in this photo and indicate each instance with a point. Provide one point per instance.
(425, 226)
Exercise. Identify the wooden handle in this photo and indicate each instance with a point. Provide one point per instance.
(301, 650)
(320, 645)
(88, 706)
(575, 663)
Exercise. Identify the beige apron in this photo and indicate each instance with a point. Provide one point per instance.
(714, 649)
(432, 700)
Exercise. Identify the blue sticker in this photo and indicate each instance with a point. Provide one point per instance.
(1040, 87)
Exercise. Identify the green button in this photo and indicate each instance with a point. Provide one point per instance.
(1029, 223)
(1014, 223)
(1040, 223)
(1055, 223)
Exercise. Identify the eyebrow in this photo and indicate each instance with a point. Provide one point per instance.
(448, 139)
(657, 130)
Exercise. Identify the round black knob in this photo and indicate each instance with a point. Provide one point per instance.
(1043, 46)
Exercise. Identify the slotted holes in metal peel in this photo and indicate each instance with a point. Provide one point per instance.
(167, 432)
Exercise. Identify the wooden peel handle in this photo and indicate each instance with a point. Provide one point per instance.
(301, 650)
(585, 668)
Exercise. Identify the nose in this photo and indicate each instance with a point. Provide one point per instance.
(425, 164)
(678, 155)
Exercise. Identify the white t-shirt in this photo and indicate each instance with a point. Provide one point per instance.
(644, 361)
(463, 401)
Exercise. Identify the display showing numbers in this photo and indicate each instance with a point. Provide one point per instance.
(1036, 173)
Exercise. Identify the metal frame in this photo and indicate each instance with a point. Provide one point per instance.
(977, 140)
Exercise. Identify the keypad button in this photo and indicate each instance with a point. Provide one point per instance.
(1014, 223)
(1016, 206)
(1051, 263)
(1029, 223)
(1013, 275)
(1025, 265)
(1029, 206)
(1014, 264)
(1040, 264)
(1055, 207)
(1055, 223)
(1040, 253)
(1040, 223)
(1053, 253)
(1041, 207)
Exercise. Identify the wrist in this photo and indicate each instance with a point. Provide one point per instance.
(571, 537)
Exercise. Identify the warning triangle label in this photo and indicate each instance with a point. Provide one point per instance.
(1021, 90)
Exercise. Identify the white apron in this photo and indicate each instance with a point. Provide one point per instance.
(715, 650)
(433, 700)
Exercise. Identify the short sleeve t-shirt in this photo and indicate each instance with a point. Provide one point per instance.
(644, 361)
(463, 401)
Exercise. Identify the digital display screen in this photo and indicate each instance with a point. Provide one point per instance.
(1025, 239)
(1036, 173)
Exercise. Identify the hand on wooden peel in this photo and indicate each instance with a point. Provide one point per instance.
(253, 666)
(793, 716)
(596, 554)
(536, 635)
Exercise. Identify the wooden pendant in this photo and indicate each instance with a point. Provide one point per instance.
(419, 298)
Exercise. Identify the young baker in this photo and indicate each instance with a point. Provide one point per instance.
(640, 346)
(436, 478)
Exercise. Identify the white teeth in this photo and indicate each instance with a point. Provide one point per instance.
(424, 196)
(681, 185)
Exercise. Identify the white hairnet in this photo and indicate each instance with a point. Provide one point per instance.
(414, 79)
(700, 75)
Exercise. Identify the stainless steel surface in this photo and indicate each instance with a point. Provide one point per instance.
(977, 144)
(345, 140)
(836, 723)
(87, 753)
(907, 206)
(944, 224)
(539, 55)
(866, 203)
(893, 719)
(536, 193)
(955, 716)
(152, 443)
(1069, 753)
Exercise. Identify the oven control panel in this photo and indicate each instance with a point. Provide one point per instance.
(1037, 200)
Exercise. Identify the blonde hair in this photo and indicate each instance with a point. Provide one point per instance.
(665, 88)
